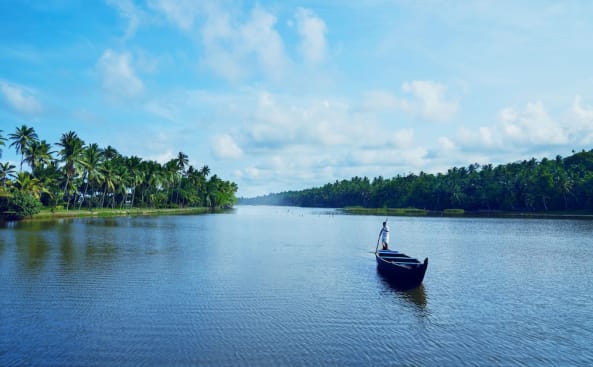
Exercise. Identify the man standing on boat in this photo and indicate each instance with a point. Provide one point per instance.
(384, 234)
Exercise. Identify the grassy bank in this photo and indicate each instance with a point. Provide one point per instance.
(73, 213)
(386, 211)
(465, 213)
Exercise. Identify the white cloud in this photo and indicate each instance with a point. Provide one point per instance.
(219, 38)
(446, 144)
(21, 99)
(233, 47)
(312, 30)
(486, 136)
(119, 77)
(403, 138)
(237, 45)
(161, 158)
(383, 100)
(432, 103)
(282, 121)
(252, 172)
(388, 159)
(235, 50)
(165, 111)
(127, 9)
(581, 112)
(259, 37)
(532, 125)
(181, 12)
(519, 132)
(582, 128)
(224, 147)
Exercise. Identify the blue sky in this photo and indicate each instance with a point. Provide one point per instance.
(285, 95)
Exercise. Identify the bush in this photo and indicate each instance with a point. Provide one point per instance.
(22, 205)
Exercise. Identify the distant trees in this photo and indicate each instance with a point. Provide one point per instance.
(560, 184)
(81, 174)
(21, 139)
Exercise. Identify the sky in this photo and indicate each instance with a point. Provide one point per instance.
(287, 95)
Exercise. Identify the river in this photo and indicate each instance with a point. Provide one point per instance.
(278, 286)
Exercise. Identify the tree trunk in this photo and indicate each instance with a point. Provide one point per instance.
(84, 195)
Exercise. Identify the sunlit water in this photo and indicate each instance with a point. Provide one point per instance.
(273, 286)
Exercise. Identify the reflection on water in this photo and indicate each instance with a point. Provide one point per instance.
(285, 287)
(32, 251)
(416, 296)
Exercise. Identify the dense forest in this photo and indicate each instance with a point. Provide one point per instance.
(560, 184)
(79, 175)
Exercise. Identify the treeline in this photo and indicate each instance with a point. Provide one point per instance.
(560, 184)
(79, 175)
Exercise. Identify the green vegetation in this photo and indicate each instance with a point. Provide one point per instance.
(63, 213)
(86, 177)
(547, 185)
(386, 211)
(454, 212)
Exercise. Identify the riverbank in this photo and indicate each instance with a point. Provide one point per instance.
(413, 212)
(105, 212)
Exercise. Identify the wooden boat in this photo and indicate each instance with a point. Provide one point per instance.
(401, 270)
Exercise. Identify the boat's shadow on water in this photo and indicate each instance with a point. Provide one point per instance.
(415, 296)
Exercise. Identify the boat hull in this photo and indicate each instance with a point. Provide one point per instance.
(401, 270)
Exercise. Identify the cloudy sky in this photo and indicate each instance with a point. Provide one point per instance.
(283, 95)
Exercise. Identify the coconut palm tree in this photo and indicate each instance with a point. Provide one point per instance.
(38, 154)
(51, 177)
(205, 171)
(170, 171)
(28, 184)
(152, 181)
(71, 149)
(133, 165)
(90, 160)
(182, 161)
(110, 153)
(124, 181)
(6, 173)
(109, 180)
(23, 136)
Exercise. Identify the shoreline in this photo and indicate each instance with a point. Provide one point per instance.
(48, 214)
(460, 213)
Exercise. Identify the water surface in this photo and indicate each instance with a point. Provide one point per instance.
(274, 286)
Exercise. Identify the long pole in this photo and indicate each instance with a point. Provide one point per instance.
(377, 248)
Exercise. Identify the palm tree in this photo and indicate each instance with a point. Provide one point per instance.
(110, 153)
(71, 148)
(21, 139)
(170, 170)
(135, 174)
(182, 161)
(152, 180)
(37, 154)
(90, 160)
(28, 184)
(205, 171)
(6, 172)
(197, 182)
(123, 181)
(109, 179)
(50, 176)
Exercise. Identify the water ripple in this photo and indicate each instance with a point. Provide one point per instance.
(265, 288)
